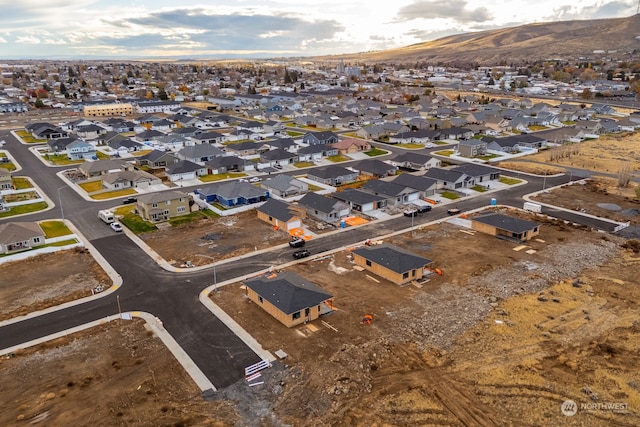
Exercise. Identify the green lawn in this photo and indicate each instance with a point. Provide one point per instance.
(446, 153)
(184, 219)
(23, 209)
(28, 138)
(375, 152)
(221, 176)
(509, 181)
(293, 133)
(303, 164)
(116, 193)
(479, 188)
(54, 229)
(413, 145)
(92, 186)
(488, 156)
(61, 160)
(136, 224)
(338, 158)
(21, 183)
(63, 242)
(449, 195)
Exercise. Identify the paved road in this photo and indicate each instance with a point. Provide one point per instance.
(173, 297)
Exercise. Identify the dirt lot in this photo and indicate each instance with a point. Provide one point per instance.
(48, 280)
(224, 237)
(600, 197)
(119, 374)
(503, 337)
(606, 155)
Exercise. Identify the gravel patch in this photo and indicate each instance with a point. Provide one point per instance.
(609, 206)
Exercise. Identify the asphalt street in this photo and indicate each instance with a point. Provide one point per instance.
(173, 297)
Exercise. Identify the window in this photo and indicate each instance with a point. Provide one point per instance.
(166, 212)
(260, 300)
(405, 275)
(181, 209)
(295, 316)
(368, 263)
(154, 205)
(36, 240)
(168, 202)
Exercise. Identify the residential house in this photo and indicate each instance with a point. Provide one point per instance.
(129, 179)
(324, 137)
(210, 137)
(420, 136)
(361, 201)
(392, 263)
(472, 148)
(449, 179)
(43, 130)
(200, 153)
(375, 168)
(91, 131)
(324, 208)
(416, 161)
(20, 236)
(278, 157)
(282, 143)
(332, 175)
(102, 167)
(279, 215)
(6, 182)
(426, 187)
(157, 159)
(480, 174)
(285, 186)
(80, 150)
(224, 164)
(316, 152)
(245, 148)
(288, 297)
(183, 170)
(395, 193)
(348, 146)
(162, 206)
(232, 193)
(148, 137)
(505, 226)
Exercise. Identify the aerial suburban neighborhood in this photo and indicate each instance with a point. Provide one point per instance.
(248, 239)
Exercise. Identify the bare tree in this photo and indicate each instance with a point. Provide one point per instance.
(624, 174)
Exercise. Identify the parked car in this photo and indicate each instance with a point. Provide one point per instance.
(129, 200)
(303, 253)
(115, 226)
(423, 209)
(453, 211)
(255, 179)
(410, 212)
(297, 242)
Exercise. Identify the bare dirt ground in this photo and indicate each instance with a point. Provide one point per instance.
(118, 374)
(437, 356)
(608, 154)
(224, 237)
(600, 197)
(503, 337)
(48, 280)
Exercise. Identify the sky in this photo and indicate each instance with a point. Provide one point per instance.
(105, 29)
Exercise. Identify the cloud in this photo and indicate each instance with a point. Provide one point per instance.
(27, 40)
(3, 40)
(443, 9)
(612, 9)
(205, 29)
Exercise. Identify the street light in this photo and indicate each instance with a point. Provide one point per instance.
(213, 263)
(60, 201)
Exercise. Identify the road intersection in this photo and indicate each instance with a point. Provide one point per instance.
(216, 347)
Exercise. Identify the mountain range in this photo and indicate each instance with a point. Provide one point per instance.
(566, 40)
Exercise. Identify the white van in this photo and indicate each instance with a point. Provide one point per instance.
(107, 216)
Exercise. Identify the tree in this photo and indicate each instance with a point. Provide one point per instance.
(63, 89)
(586, 93)
(39, 103)
(624, 174)
(162, 94)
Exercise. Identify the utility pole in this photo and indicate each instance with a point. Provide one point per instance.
(213, 263)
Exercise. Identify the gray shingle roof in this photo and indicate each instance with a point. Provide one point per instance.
(288, 291)
(505, 222)
(393, 257)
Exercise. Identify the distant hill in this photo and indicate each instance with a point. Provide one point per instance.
(551, 40)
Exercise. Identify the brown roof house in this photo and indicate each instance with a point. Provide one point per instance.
(505, 227)
(391, 262)
(162, 206)
(289, 298)
(20, 236)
